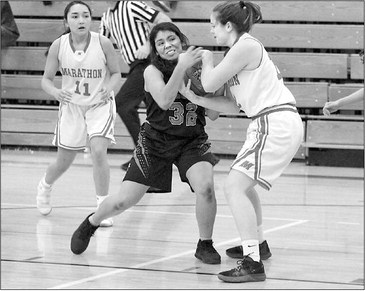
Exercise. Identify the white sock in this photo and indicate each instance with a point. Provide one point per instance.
(251, 249)
(203, 238)
(260, 233)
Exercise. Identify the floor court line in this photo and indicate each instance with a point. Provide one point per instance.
(111, 273)
(155, 212)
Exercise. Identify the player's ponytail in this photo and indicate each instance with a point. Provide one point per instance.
(242, 15)
(253, 15)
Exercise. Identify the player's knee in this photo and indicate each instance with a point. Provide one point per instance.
(99, 154)
(206, 190)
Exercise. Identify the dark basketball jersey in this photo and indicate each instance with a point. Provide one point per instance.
(183, 118)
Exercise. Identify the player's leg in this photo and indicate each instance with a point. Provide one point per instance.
(262, 159)
(70, 136)
(265, 253)
(237, 190)
(63, 161)
(100, 127)
(101, 171)
(148, 170)
(200, 176)
(130, 193)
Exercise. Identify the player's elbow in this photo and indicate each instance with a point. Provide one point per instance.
(164, 105)
(209, 87)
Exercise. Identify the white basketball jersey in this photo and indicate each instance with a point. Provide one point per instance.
(84, 73)
(260, 88)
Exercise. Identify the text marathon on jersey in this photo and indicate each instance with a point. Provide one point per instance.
(82, 73)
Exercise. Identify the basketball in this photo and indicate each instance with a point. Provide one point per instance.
(194, 73)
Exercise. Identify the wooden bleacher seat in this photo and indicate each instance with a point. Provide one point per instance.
(315, 45)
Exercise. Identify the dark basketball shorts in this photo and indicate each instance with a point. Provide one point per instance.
(157, 152)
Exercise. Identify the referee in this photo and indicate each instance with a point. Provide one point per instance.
(129, 24)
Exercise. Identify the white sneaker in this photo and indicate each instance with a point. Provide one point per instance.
(44, 198)
(108, 222)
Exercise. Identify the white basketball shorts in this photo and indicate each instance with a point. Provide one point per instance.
(76, 123)
(273, 138)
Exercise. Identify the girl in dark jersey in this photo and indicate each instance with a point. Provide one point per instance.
(172, 134)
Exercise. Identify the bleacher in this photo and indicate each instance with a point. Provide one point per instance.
(315, 44)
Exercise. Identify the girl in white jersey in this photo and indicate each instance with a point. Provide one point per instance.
(90, 73)
(254, 85)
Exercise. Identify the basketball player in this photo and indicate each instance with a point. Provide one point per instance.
(173, 134)
(255, 86)
(90, 74)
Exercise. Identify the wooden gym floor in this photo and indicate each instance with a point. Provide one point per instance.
(313, 221)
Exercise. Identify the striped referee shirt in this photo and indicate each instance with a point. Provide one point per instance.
(128, 24)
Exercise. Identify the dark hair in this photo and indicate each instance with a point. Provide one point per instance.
(165, 66)
(68, 7)
(241, 14)
(66, 11)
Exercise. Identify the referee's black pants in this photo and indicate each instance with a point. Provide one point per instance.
(130, 96)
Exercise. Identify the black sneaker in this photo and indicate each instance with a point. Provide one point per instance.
(237, 252)
(81, 237)
(207, 253)
(247, 271)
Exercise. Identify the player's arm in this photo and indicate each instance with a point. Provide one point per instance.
(163, 93)
(114, 83)
(213, 114)
(333, 106)
(244, 54)
(49, 74)
(217, 103)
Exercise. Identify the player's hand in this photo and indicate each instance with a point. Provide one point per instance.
(330, 107)
(190, 57)
(63, 96)
(104, 94)
(187, 92)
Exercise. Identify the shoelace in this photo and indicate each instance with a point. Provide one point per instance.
(242, 263)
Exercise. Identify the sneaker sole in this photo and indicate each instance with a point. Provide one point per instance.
(242, 279)
(206, 262)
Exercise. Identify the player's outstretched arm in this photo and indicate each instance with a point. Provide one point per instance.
(333, 106)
